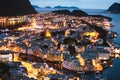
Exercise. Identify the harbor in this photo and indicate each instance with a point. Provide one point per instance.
(78, 44)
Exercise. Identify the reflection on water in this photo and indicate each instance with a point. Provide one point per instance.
(111, 73)
(115, 21)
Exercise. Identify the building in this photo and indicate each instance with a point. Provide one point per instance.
(6, 56)
(14, 13)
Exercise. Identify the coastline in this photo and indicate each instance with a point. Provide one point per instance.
(103, 32)
(85, 26)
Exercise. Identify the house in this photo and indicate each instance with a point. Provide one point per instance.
(6, 56)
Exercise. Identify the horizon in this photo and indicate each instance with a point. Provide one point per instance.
(63, 6)
(103, 4)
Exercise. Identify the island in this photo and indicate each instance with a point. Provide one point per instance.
(114, 8)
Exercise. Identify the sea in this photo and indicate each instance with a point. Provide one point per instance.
(111, 73)
(115, 17)
(115, 20)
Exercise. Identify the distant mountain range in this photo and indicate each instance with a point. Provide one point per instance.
(65, 7)
(73, 13)
(36, 7)
(56, 7)
(48, 7)
(114, 8)
(79, 13)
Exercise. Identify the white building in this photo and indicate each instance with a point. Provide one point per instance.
(116, 50)
(6, 56)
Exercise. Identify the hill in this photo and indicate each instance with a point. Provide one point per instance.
(73, 13)
(114, 8)
(65, 7)
(48, 7)
(16, 8)
(36, 6)
(79, 13)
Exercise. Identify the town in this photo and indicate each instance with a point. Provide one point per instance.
(50, 45)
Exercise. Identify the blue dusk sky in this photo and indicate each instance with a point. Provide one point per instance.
(82, 4)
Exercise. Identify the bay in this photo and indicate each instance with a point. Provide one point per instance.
(111, 73)
(115, 20)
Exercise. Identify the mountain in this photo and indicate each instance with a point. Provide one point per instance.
(73, 7)
(79, 13)
(66, 12)
(73, 13)
(65, 7)
(36, 7)
(48, 7)
(114, 8)
(16, 8)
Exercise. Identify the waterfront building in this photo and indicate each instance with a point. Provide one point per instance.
(15, 14)
(6, 56)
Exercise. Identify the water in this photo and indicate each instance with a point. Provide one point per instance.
(115, 17)
(111, 73)
(115, 21)
(46, 10)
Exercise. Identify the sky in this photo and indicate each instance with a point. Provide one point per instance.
(82, 4)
